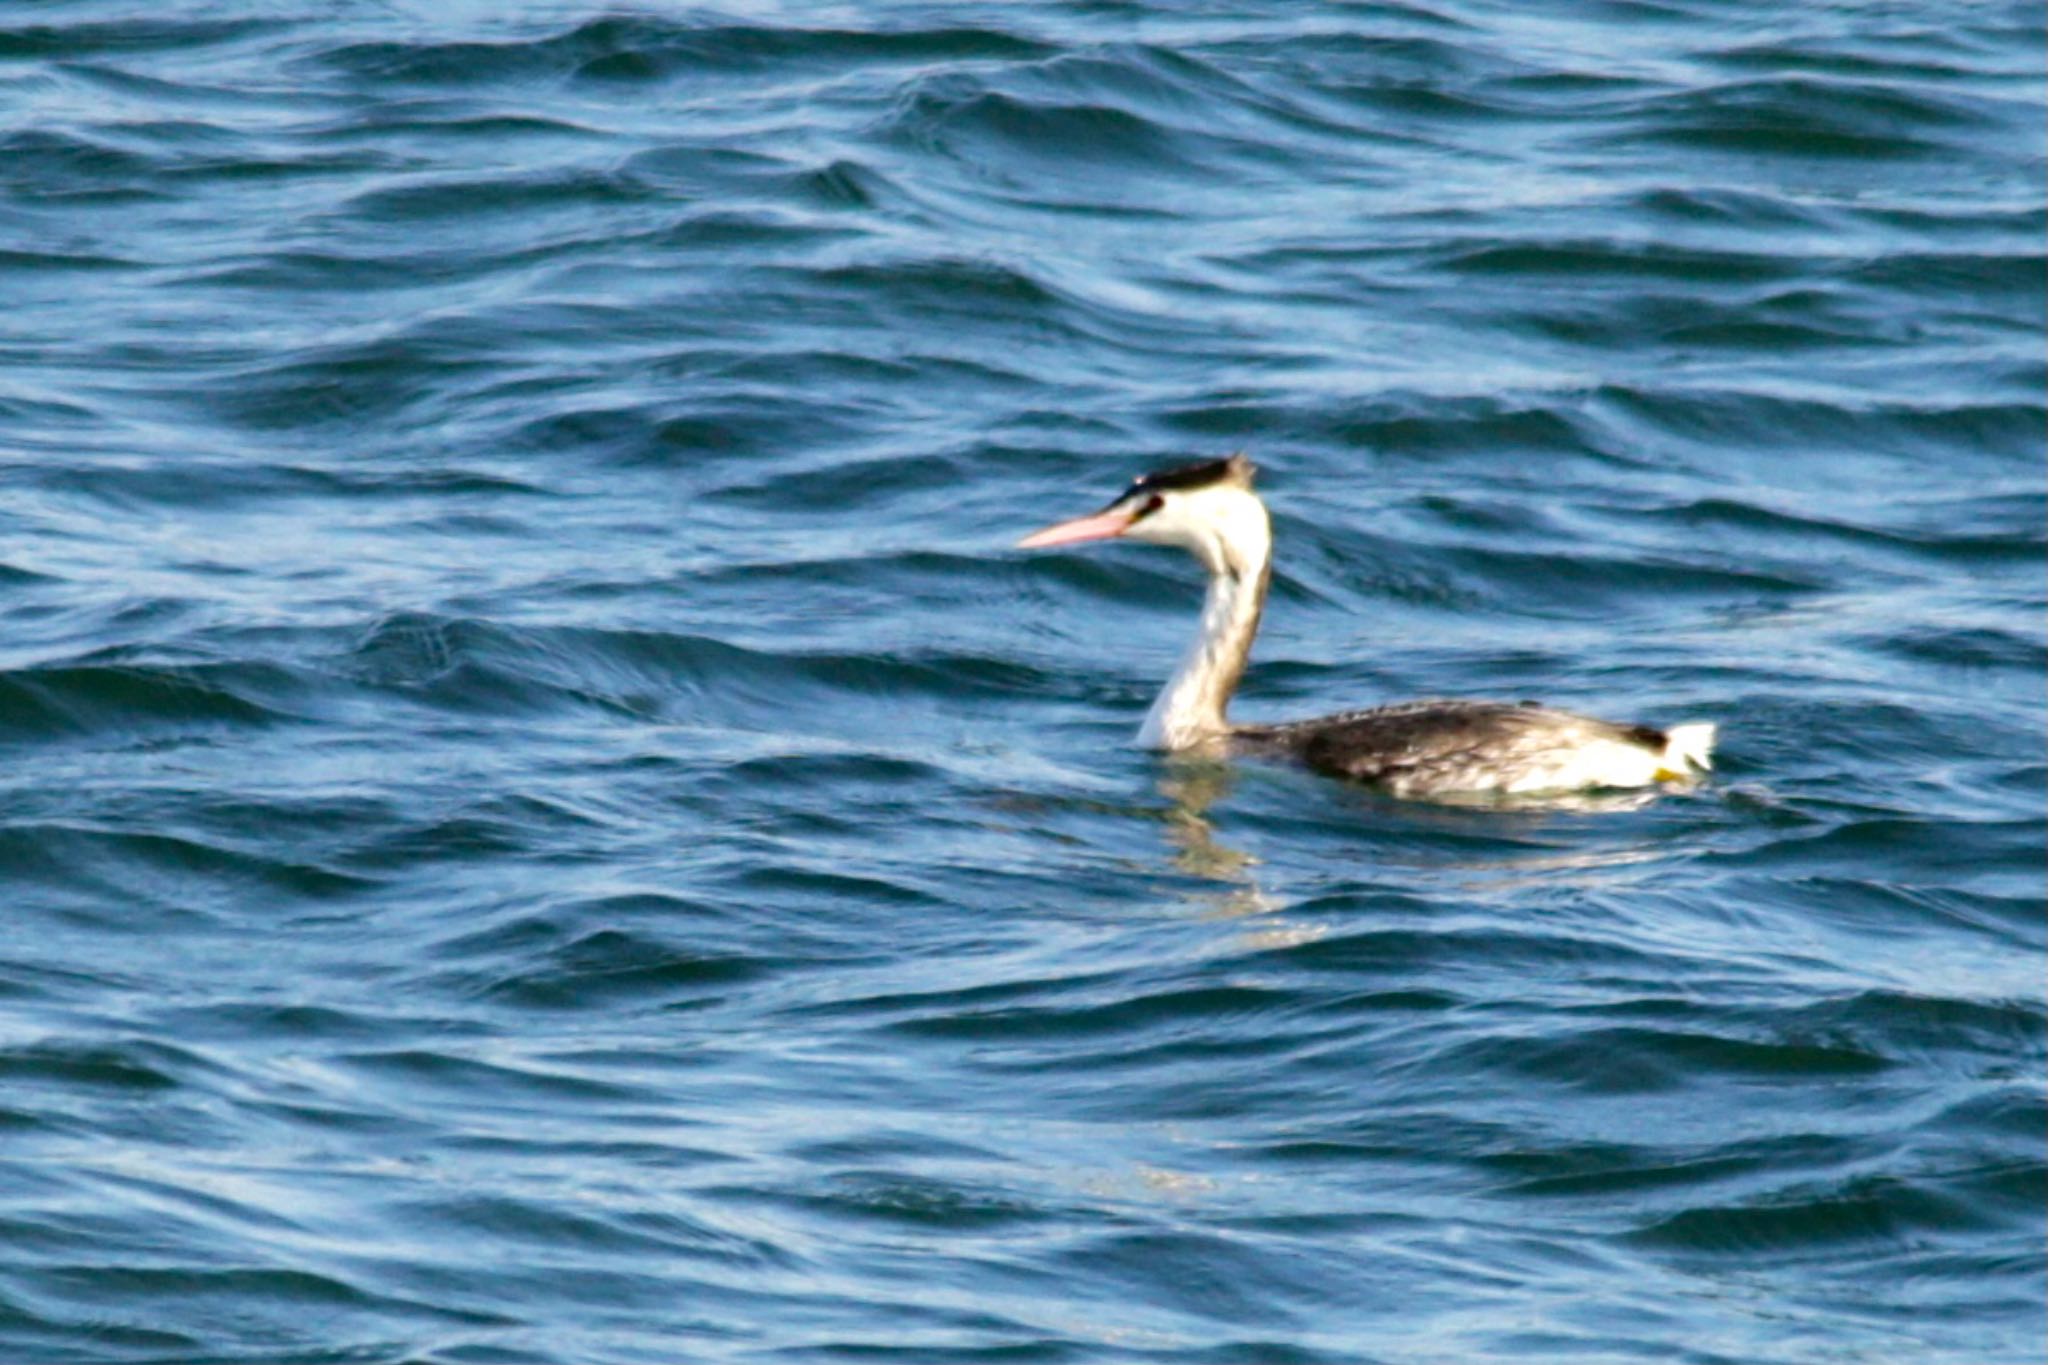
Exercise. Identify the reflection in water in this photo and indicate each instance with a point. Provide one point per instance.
(1562, 803)
(1532, 839)
(1498, 842)
(1192, 785)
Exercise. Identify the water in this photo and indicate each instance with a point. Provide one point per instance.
(544, 823)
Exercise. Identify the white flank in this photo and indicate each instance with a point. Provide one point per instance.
(1690, 744)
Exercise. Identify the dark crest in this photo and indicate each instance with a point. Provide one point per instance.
(1234, 470)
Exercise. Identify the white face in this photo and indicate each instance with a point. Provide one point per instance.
(1222, 524)
(1175, 517)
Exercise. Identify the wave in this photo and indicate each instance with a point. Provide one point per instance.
(544, 820)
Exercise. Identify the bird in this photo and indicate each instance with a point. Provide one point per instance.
(1418, 750)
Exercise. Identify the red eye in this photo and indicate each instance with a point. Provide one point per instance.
(1153, 504)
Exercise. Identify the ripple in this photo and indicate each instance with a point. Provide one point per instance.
(1753, 518)
(136, 1066)
(1589, 261)
(124, 698)
(129, 34)
(607, 968)
(47, 165)
(1747, 418)
(1865, 1213)
(1793, 116)
(640, 48)
(523, 197)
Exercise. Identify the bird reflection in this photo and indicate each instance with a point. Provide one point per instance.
(1191, 786)
(1532, 846)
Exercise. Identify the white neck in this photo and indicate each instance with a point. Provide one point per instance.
(1238, 552)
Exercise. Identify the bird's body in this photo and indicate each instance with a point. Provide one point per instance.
(1437, 748)
(1426, 749)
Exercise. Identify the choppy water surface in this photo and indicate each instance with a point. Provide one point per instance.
(542, 821)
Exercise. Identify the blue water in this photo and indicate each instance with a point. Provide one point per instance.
(542, 821)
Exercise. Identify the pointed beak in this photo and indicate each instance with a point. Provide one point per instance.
(1099, 526)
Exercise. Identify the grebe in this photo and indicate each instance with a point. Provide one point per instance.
(1420, 749)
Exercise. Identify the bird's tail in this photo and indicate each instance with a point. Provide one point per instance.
(1689, 747)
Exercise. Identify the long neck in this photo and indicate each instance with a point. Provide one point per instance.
(1189, 711)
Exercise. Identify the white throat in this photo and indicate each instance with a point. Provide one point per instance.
(1236, 546)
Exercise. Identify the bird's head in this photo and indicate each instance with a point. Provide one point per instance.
(1207, 509)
